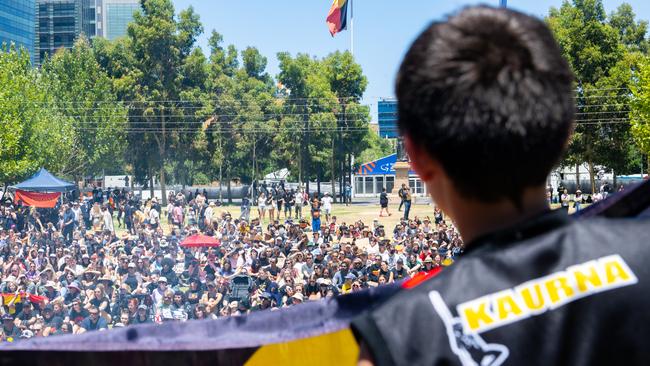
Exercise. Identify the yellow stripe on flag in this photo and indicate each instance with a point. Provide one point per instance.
(339, 348)
(340, 3)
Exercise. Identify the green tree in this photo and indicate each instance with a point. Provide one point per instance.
(640, 109)
(161, 45)
(34, 133)
(601, 54)
(309, 121)
(632, 33)
(377, 148)
(348, 83)
(83, 92)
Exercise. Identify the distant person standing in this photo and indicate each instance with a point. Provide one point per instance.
(348, 194)
(107, 219)
(128, 216)
(564, 200)
(177, 214)
(298, 201)
(315, 214)
(327, 206)
(383, 203)
(270, 204)
(279, 196)
(406, 199)
(68, 223)
(261, 206)
(154, 216)
(245, 209)
(289, 200)
(578, 200)
(605, 189)
(400, 194)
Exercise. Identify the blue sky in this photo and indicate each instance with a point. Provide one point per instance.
(383, 29)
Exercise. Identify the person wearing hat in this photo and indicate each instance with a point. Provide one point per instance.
(72, 293)
(428, 264)
(51, 322)
(265, 301)
(400, 272)
(577, 200)
(50, 291)
(9, 329)
(26, 334)
(297, 298)
(158, 293)
(142, 315)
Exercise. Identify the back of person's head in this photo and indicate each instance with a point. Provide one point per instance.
(488, 95)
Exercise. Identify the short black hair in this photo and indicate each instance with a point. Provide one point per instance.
(488, 95)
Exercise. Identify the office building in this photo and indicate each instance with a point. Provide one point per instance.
(387, 117)
(17, 24)
(59, 24)
(116, 16)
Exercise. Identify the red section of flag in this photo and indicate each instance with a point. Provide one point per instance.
(334, 19)
(337, 16)
(35, 199)
(420, 277)
(6, 298)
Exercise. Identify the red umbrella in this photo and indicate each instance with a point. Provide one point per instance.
(199, 241)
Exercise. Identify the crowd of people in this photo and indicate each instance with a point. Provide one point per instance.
(111, 260)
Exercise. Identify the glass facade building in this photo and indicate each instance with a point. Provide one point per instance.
(118, 14)
(387, 116)
(58, 25)
(17, 24)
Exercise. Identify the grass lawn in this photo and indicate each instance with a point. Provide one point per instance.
(348, 214)
(352, 213)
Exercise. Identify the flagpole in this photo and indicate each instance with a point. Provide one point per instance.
(352, 27)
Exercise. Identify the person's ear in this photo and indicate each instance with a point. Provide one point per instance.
(421, 162)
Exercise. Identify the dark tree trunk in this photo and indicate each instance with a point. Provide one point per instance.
(318, 184)
(151, 183)
(229, 192)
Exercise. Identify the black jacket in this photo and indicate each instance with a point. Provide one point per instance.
(486, 309)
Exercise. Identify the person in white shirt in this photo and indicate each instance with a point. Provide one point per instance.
(78, 218)
(107, 219)
(373, 248)
(327, 206)
(261, 206)
(154, 218)
(299, 199)
(207, 215)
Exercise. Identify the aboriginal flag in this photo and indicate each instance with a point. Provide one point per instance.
(337, 19)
